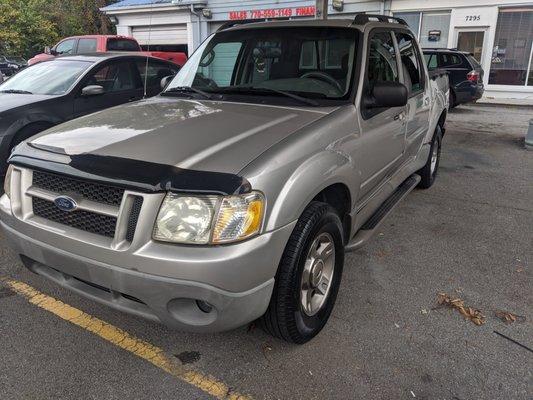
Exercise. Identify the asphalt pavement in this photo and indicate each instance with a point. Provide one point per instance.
(470, 236)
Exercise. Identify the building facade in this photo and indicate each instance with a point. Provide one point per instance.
(498, 32)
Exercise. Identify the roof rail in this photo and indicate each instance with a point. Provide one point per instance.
(230, 24)
(362, 18)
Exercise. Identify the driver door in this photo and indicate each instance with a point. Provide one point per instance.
(382, 129)
(121, 82)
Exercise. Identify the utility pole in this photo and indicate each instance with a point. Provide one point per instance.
(321, 9)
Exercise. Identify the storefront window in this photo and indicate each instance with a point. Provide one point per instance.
(434, 30)
(511, 54)
(431, 28)
(412, 19)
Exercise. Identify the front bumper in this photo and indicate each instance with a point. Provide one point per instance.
(236, 280)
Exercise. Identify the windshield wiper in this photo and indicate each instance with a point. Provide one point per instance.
(188, 89)
(15, 91)
(253, 89)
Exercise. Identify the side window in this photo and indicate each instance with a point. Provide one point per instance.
(451, 60)
(218, 64)
(431, 60)
(155, 72)
(382, 64)
(66, 47)
(86, 46)
(411, 66)
(114, 78)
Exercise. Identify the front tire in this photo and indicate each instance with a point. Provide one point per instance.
(429, 172)
(308, 277)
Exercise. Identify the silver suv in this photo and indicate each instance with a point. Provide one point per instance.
(234, 195)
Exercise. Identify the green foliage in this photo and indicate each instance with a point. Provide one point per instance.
(27, 26)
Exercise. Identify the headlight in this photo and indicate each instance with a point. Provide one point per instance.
(7, 181)
(209, 219)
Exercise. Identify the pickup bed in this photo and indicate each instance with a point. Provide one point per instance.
(101, 44)
(234, 195)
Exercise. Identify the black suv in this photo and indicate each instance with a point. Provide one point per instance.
(465, 72)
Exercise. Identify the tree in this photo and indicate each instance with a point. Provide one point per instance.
(26, 26)
(23, 29)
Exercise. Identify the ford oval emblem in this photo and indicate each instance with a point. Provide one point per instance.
(65, 203)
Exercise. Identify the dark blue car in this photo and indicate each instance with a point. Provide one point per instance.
(464, 71)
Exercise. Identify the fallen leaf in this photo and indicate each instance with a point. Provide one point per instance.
(266, 348)
(508, 317)
(473, 314)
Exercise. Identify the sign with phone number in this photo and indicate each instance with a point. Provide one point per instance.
(273, 13)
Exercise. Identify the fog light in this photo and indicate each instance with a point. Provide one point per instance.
(204, 306)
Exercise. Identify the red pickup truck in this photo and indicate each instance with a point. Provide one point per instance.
(102, 44)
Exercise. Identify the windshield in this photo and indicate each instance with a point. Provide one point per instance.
(50, 77)
(315, 63)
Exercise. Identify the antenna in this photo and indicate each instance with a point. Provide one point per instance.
(148, 48)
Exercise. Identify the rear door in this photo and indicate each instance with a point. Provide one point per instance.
(121, 83)
(415, 79)
(382, 129)
(457, 68)
(86, 45)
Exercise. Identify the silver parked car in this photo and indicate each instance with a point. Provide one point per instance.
(234, 194)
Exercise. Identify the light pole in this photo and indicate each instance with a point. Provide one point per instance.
(321, 9)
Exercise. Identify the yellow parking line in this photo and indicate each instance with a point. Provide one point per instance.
(124, 340)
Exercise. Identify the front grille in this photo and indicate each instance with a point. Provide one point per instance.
(134, 218)
(84, 220)
(89, 190)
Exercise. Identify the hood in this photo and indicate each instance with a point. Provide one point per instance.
(188, 134)
(10, 101)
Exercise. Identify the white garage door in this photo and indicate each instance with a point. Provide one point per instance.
(160, 34)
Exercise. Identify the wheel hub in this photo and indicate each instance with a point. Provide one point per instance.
(317, 274)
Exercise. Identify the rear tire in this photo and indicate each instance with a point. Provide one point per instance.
(429, 172)
(453, 100)
(308, 277)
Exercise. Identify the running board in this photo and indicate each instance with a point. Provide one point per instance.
(369, 228)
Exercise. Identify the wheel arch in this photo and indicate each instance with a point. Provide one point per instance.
(19, 135)
(328, 177)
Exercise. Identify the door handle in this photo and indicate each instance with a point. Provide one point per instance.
(399, 117)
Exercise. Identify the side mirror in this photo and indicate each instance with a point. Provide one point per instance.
(48, 50)
(92, 90)
(166, 80)
(386, 94)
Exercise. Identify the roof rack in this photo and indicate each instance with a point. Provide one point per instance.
(230, 24)
(362, 18)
